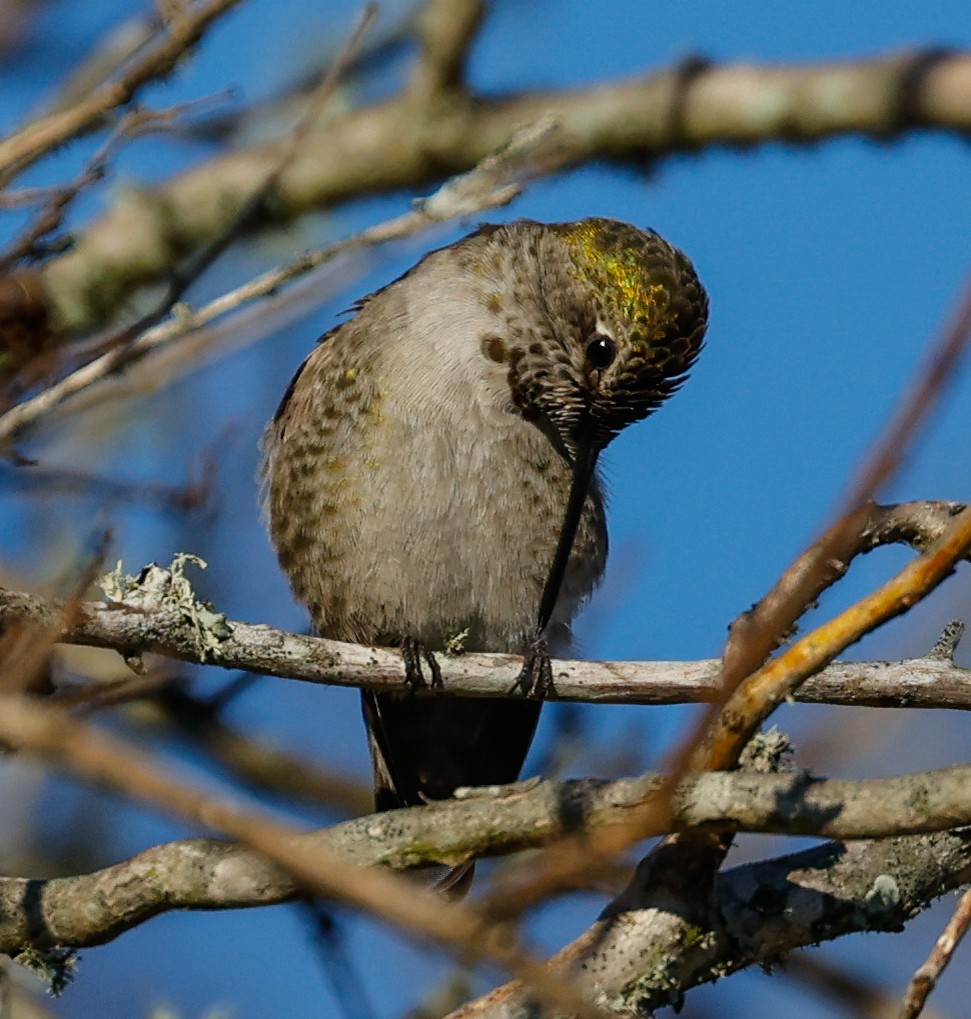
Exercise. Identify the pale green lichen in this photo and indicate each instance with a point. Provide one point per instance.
(56, 967)
(168, 589)
(767, 752)
(455, 642)
(884, 894)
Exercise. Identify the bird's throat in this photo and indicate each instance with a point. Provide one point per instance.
(584, 464)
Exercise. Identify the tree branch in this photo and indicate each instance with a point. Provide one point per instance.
(26, 146)
(143, 626)
(925, 979)
(202, 873)
(493, 182)
(682, 108)
(641, 958)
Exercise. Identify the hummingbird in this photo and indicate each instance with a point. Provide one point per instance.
(431, 475)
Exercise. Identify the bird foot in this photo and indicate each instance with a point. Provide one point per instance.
(535, 679)
(413, 652)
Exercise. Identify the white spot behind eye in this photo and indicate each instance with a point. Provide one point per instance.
(602, 330)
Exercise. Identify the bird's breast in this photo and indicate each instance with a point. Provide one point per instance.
(433, 522)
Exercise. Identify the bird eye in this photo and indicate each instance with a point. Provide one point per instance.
(601, 352)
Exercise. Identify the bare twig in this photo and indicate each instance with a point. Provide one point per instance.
(121, 44)
(134, 123)
(491, 184)
(174, 499)
(336, 963)
(757, 633)
(23, 148)
(446, 29)
(925, 979)
(932, 382)
(258, 762)
(761, 693)
(858, 993)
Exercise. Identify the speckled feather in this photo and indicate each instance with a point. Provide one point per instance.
(417, 471)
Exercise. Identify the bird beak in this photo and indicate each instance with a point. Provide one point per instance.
(584, 463)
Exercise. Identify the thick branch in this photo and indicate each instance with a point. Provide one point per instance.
(669, 112)
(636, 960)
(209, 874)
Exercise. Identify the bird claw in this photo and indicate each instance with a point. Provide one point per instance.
(412, 651)
(535, 679)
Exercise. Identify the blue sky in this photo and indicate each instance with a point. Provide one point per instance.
(830, 269)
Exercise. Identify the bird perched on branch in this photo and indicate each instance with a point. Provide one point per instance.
(431, 470)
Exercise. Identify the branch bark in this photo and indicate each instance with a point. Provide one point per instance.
(666, 113)
(202, 873)
(636, 959)
(144, 627)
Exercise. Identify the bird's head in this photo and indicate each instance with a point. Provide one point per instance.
(607, 321)
(598, 324)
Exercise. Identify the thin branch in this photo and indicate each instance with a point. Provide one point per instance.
(258, 762)
(336, 963)
(191, 497)
(846, 986)
(491, 184)
(134, 123)
(446, 30)
(120, 45)
(938, 374)
(757, 633)
(933, 681)
(255, 762)
(755, 699)
(23, 148)
(925, 979)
